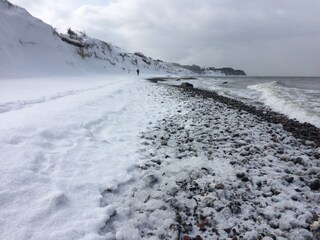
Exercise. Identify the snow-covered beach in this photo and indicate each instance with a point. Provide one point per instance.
(119, 157)
(90, 150)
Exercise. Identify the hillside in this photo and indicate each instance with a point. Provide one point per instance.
(112, 58)
(29, 47)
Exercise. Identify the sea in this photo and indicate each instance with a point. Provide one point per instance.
(296, 97)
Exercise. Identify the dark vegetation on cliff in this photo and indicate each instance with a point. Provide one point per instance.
(204, 70)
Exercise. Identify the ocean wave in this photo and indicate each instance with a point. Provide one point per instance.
(301, 104)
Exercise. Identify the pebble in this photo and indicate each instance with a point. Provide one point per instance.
(219, 186)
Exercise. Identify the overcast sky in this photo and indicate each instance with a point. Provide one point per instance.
(262, 37)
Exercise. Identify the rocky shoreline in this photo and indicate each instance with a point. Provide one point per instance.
(215, 170)
(304, 131)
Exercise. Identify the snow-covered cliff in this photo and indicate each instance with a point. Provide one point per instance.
(30, 47)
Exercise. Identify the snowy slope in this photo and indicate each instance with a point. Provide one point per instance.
(102, 55)
(30, 47)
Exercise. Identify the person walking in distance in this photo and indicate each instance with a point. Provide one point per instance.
(138, 71)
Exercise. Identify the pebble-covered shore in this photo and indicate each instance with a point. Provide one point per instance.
(216, 171)
(303, 131)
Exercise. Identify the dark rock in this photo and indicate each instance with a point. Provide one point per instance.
(219, 186)
(288, 179)
(314, 184)
(157, 161)
(242, 176)
(186, 85)
(315, 216)
(245, 179)
(299, 160)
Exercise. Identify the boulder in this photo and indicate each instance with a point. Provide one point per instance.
(186, 85)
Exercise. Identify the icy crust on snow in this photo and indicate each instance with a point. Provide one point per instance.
(211, 172)
(58, 156)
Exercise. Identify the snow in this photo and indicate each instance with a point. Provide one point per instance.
(29, 47)
(63, 142)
